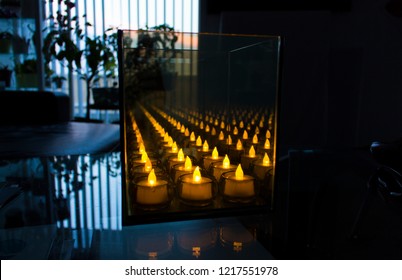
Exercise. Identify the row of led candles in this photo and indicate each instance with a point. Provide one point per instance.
(197, 188)
(197, 142)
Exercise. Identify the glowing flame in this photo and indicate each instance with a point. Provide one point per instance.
(268, 134)
(267, 144)
(141, 148)
(192, 137)
(255, 139)
(170, 141)
(188, 164)
(183, 129)
(180, 155)
(213, 131)
(239, 145)
(148, 165)
(239, 174)
(257, 130)
(174, 147)
(235, 131)
(216, 122)
(199, 141)
(265, 160)
(222, 124)
(197, 175)
(229, 140)
(207, 128)
(221, 135)
(226, 162)
(251, 152)
(201, 125)
(186, 132)
(245, 135)
(205, 146)
(144, 157)
(215, 153)
(166, 137)
(152, 177)
(241, 124)
(178, 126)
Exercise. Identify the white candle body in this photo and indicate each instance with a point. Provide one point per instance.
(192, 190)
(239, 187)
(219, 169)
(148, 194)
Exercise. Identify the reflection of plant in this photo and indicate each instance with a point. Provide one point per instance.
(29, 66)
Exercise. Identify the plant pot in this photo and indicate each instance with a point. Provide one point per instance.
(5, 76)
(27, 80)
(5, 45)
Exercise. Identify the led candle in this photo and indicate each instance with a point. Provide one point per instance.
(152, 191)
(214, 157)
(198, 142)
(247, 159)
(183, 169)
(245, 135)
(239, 145)
(177, 160)
(235, 131)
(221, 136)
(192, 137)
(238, 186)
(255, 139)
(261, 167)
(195, 188)
(268, 134)
(224, 166)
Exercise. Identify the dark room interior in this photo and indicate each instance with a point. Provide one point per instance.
(323, 77)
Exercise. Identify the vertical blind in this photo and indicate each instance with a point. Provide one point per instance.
(182, 15)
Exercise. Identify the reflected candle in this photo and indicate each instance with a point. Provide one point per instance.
(238, 185)
(214, 157)
(194, 187)
(261, 167)
(183, 169)
(152, 191)
(224, 166)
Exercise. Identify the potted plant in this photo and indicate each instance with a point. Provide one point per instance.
(20, 44)
(148, 65)
(5, 41)
(5, 75)
(26, 73)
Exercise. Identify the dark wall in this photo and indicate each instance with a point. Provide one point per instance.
(341, 67)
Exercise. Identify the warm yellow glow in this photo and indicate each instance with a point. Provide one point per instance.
(186, 132)
(170, 141)
(215, 153)
(188, 164)
(180, 155)
(233, 121)
(222, 124)
(267, 144)
(265, 160)
(229, 140)
(226, 162)
(245, 135)
(239, 145)
(197, 175)
(148, 165)
(178, 126)
(257, 130)
(144, 157)
(268, 134)
(207, 128)
(142, 148)
(152, 177)
(241, 124)
(251, 152)
(235, 131)
(221, 135)
(166, 137)
(239, 173)
(174, 147)
(201, 125)
(183, 129)
(213, 131)
(205, 146)
(192, 137)
(255, 139)
(199, 141)
(216, 122)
